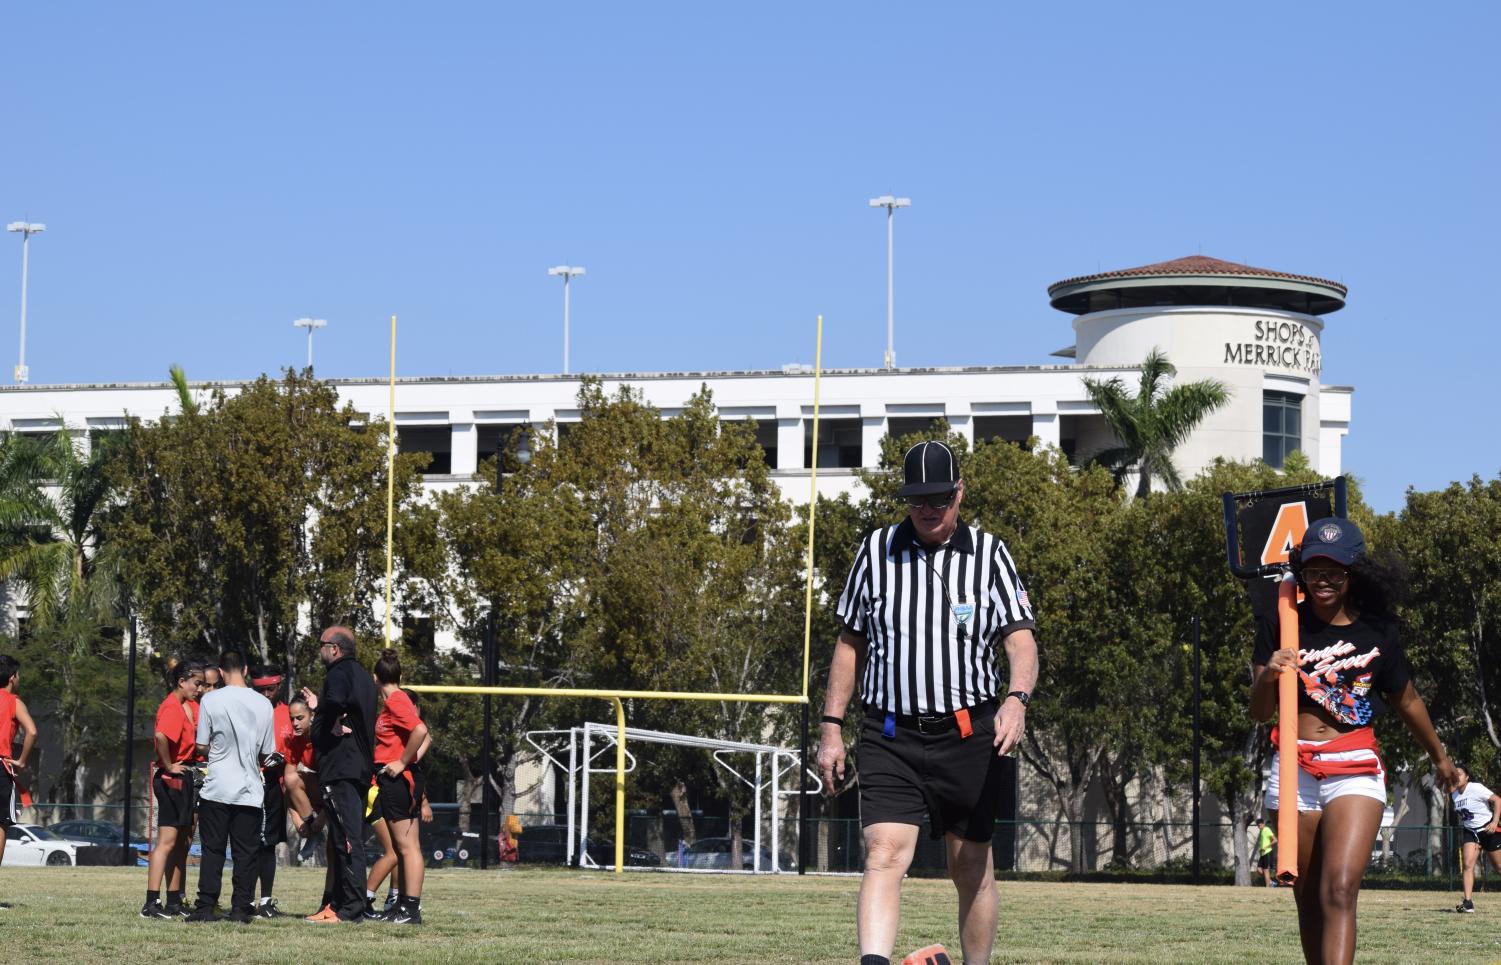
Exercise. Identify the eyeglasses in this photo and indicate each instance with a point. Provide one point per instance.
(935, 501)
(1326, 576)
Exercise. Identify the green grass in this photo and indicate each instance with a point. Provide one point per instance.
(89, 914)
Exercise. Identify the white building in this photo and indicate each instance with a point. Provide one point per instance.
(1257, 331)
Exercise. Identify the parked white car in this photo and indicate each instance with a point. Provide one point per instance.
(29, 844)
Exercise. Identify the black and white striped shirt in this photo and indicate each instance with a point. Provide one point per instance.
(932, 619)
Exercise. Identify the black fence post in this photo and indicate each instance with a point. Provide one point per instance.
(1198, 746)
(487, 747)
(128, 858)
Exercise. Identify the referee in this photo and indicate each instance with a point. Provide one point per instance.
(924, 611)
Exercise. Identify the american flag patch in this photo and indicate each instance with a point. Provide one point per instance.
(1022, 599)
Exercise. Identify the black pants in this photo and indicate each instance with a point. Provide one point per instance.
(344, 802)
(220, 824)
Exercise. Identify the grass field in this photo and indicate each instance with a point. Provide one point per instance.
(89, 914)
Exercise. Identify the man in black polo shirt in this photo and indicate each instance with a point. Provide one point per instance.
(343, 734)
(923, 610)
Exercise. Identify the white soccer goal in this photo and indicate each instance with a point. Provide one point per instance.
(592, 740)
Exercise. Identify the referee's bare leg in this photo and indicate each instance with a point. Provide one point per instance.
(973, 874)
(889, 847)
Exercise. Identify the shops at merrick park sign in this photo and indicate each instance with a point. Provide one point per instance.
(1283, 344)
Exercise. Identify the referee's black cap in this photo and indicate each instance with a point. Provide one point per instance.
(931, 468)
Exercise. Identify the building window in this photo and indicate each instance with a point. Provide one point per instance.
(489, 438)
(436, 441)
(1281, 427)
(838, 443)
(1009, 428)
(766, 438)
(925, 426)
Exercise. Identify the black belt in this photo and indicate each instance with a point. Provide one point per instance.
(934, 723)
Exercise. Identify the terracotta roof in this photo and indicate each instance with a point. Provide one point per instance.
(1196, 265)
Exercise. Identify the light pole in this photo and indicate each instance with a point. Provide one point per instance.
(312, 325)
(568, 273)
(890, 204)
(27, 230)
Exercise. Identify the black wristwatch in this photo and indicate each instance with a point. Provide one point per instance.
(1022, 696)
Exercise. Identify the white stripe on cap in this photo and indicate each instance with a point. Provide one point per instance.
(923, 461)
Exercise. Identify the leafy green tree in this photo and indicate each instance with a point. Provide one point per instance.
(635, 552)
(1054, 519)
(53, 500)
(1153, 422)
(249, 518)
(1450, 543)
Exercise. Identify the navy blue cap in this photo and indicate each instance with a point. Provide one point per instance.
(1332, 538)
(930, 469)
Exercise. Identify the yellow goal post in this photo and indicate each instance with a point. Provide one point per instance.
(617, 697)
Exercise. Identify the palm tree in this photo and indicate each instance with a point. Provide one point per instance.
(52, 503)
(1152, 423)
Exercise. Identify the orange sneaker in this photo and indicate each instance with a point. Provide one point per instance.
(325, 915)
(932, 955)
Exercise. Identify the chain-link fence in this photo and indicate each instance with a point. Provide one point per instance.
(1412, 855)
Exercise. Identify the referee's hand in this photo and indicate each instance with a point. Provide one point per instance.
(1010, 722)
(831, 756)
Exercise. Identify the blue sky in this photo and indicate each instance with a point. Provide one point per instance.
(208, 173)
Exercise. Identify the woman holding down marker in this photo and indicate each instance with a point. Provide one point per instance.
(1350, 666)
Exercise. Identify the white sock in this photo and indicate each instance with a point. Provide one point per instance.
(369, 895)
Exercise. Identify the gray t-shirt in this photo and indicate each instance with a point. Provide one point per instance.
(235, 724)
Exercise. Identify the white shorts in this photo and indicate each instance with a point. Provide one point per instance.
(1314, 794)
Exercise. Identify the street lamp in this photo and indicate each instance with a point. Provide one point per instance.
(27, 230)
(890, 204)
(568, 273)
(312, 325)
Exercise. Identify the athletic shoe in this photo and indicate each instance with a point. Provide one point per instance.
(154, 909)
(391, 902)
(323, 916)
(405, 915)
(240, 916)
(267, 909)
(175, 911)
(204, 913)
(1466, 907)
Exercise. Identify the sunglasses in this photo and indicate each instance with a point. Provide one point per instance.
(1326, 577)
(935, 501)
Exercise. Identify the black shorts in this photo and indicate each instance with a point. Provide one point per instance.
(274, 815)
(10, 800)
(401, 796)
(174, 805)
(955, 782)
(1489, 841)
(1264, 863)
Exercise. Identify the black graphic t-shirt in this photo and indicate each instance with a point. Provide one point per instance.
(1344, 670)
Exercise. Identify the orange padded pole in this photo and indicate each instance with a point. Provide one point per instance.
(1287, 736)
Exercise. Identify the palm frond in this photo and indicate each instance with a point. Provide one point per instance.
(185, 398)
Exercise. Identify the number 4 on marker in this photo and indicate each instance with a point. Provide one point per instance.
(1287, 531)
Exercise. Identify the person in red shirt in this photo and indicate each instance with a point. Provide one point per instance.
(304, 802)
(266, 681)
(13, 715)
(299, 780)
(399, 735)
(172, 783)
